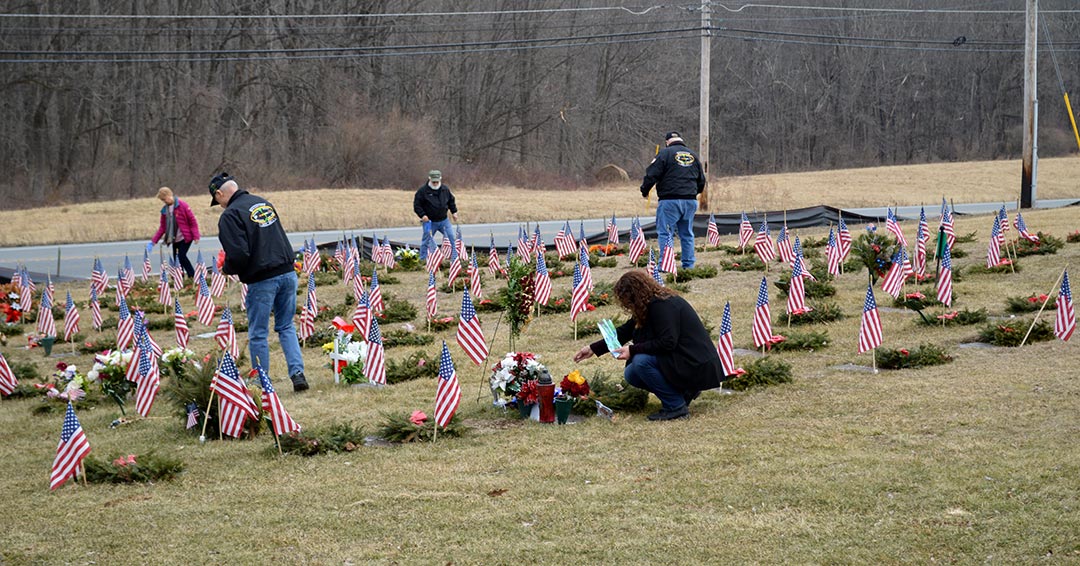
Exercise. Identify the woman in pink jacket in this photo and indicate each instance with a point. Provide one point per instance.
(178, 228)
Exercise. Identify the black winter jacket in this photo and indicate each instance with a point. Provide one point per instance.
(676, 172)
(255, 244)
(675, 335)
(434, 203)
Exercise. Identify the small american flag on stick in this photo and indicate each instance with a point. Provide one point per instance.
(235, 400)
(712, 233)
(470, 335)
(448, 393)
(762, 329)
(893, 226)
(70, 452)
(271, 405)
(1065, 322)
(375, 365)
(204, 303)
(870, 327)
(71, 319)
(724, 344)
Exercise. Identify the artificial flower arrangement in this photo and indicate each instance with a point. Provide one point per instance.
(407, 258)
(109, 370)
(177, 361)
(350, 358)
(513, 379)
(573, 386)
(67, 384)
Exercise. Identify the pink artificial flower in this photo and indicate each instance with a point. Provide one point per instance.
(421, 363)
(740, 371)
(904, 351)
(418, 418)
(131, 459)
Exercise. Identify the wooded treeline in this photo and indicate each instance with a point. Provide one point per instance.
(537, 95)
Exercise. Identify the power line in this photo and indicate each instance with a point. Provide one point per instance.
(963, 40)
(958, 49)
(886, 10)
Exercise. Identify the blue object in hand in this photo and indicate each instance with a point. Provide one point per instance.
(149, 247)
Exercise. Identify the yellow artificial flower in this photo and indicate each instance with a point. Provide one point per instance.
(575, 377)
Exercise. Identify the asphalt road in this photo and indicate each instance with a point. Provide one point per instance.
(76, 260)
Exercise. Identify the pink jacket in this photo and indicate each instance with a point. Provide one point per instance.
(185, 222)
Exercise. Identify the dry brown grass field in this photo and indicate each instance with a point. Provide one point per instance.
(347, 209)
(970, 462)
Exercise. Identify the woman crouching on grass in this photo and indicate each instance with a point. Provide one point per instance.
(672, 355)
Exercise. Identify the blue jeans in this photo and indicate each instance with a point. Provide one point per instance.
(677, 213)
(278, 293)
(644, 373)
(428, 241)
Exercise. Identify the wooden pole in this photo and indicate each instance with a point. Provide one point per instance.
(873, 358)
(206, 417)
(704, 75)
(1031, 37)
(1047, 300)
(82, 472)
(436, 435)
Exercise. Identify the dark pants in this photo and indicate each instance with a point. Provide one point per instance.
(179, 251)
(643, 372)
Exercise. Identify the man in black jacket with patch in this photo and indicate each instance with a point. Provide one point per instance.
(431, 203)
(676, 172)
(258, 251)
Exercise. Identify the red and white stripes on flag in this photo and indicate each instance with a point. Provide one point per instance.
(637, 241)
(993, 248)
(612, 232)
(95, 310)
(474, 278)
(432, 297)
(46, 324)
(362, 315)
(944, 283)
(870, 327)
(147, 375)
(922, 235)
(893, 281)
(947, 224)
(71, 319)
(579, 297)
(564, 241)
(181, 326)
(1065, 322)
(667, 254)
(226, 334)
(243, 296)
(843, 239)
(763, 244)
(306, 326)
(271, 405)
(375, 364)
(1022, 229)
(217, 283)
(146, 267)
(375, 298)
(724, 345)
(783, 247)
(125, 328)
(470, 334)
(893, 226)
(70, 452)
(164, 287)
(746, 231)
(762, 329)
(543, 281)
(494, 266)
(712, 234)
(448, 393)
(203, 302)
(832, 255)
(235, 402)
(8, 381)
(796, 299)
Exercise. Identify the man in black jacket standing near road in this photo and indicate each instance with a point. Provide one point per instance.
(676, 172)
(430, 204)
(258, 251)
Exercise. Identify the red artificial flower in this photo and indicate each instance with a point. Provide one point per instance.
(739, 371)
(61, 366)
(528, 393)
(343, 326)
(1005, 329)
(904, 351)
(735, 264)
(948, 316)
(876, 248)
(915, 295)
(590, 307)
(341, 365)
(418, 418)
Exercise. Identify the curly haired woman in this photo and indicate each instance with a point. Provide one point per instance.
(672, 355)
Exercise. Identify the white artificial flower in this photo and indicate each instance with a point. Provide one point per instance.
(92, 375)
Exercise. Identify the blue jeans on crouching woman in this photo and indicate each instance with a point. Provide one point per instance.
(643, 372)
(278, 293)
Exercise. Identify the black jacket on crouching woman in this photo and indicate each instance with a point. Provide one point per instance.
(673, 333)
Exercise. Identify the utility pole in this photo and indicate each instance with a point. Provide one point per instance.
(1031, 38)
(703, 101)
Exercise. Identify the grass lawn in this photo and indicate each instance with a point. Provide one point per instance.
(970, 462)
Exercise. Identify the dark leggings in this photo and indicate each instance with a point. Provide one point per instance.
(179, 251)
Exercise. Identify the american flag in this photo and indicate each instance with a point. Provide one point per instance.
(650, 266)
(523, 245)
(95, 310)
(724, 345)
(226, 334)
(924, 227)
(947, 224)
(470, 335)
(192, 414)
(128, 275)
(147, 376)
(920, 247)
(388, 253)
(460, 243)
(71, 319)
(712, 234)
(376, 250)
(509, 254)
(177, 274)
(870, 327)
(564, 241)
(46, 325)
(204, 303)
(99, 278)
(243, 296)
(1021, 228)
(1003, 220)
(26, 290)
(339, 254)
(180, 324)
(164, 287)
(375, 364)
(121, 282)
(271, 405)
(362, 315)
(200, 266)
(308, 265)
(125, 329)
(455, 266)
(139, 329)
(586, 271)
(493, 258)
(349, 265)
(437, 256)
(1065, 322)
(146, 267)
(944, 283)
(762, 330)
(843, 239)
(375, 298)
(612, 232)
(637, 241)
(763, 245)
(234, 399)
(474, 278)
(893, 282)
(8, 382)
(797, 251)
(357, 281)
(448, 393)
(311, 296)
(538, 242)
(579, 299)
(796, 299)
(993, 248)
(581, 234)
(543, 280)
(746, 231)
(316, 257)
(307, 321)
(667, 254)
(70, 452)
(832, 255)
(217, 282)
(893, 226)
(655, 272)
(432, 296)
(783, 246)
